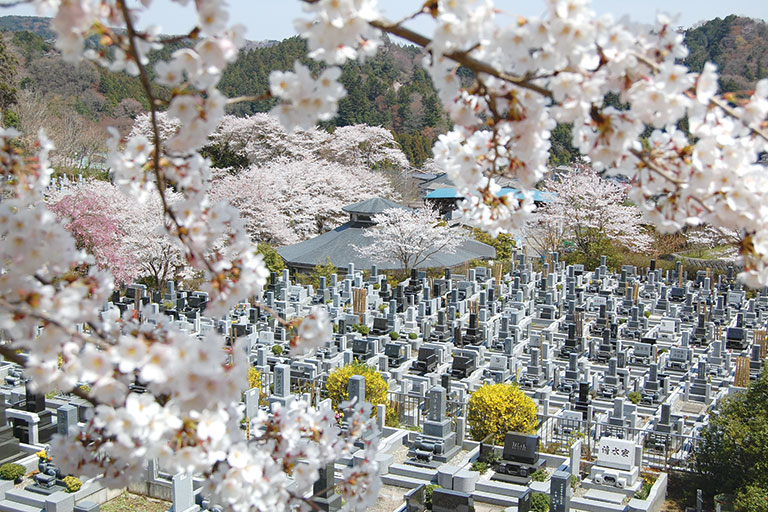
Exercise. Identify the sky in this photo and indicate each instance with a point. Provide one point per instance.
(272, 19)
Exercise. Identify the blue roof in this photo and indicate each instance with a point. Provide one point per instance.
(452, 193)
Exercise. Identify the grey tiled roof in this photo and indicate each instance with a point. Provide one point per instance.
(372, 206)
(337, 245)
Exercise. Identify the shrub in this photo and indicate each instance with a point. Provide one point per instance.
(277, 349)
(428, 491)
(254, 378)
(752, 499)
(540, 475)
(482, 467)
(647, 314)
(500, 408)
(394, 335)
(634, 397)
(362, 329)
(12, 471)
(412, 335)
(272, 259)
(540, 502)
(375, 386)
(73, 483)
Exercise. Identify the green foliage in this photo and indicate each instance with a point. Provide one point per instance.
(647, 314)
(540, 475)
(394, 335)
(222, 156)
(644, 491)
(752, 498)
(539, 502)
(362, 329)
(500, 408)
(277, 349)
(429, 490)
(325, 270)
(12, 471)
(8, 72)
(504, 243)
(733, 452)
(72, 483)
(574, 481)
(737, 45)
(272, 259)
(412, 336)
(479, 466)
(634, 397)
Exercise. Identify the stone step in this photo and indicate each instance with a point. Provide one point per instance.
(605, 496)
(596, 506)
(402, 481)
(494, 499)
(500, 488)
(13, 506)
(25, 497)
(425, 474)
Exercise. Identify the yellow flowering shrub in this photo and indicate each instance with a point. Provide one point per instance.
(500, 408)
(254, 378)
(375, 386)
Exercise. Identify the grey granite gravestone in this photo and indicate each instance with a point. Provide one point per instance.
(560, 492)
(324, 492)
(251, 402)
(356, 389)
(437, 444)
(66, 419)
(281, 392)
(446, 500)
(183, 493)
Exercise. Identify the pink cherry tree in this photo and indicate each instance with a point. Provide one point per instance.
(409, 237)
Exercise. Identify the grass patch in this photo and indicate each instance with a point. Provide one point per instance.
(128, 502)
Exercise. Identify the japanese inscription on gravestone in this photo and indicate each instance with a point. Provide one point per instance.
(616, 453)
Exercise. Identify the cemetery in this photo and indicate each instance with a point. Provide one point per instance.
(620, 370)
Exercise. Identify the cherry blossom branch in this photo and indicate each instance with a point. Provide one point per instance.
(459, 57)
(10, 354)
(56, 323)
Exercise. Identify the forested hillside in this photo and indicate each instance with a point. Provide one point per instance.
(391, 90)
(739, 47)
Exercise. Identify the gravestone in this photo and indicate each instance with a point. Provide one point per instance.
(446, 500)
(251, 402)
(616, 465)
(415, 499)
(183, 493)
(66, 419)
(437, 444)
(560, 492)
(281, 393)
(356, 389)
(519, 459)
(324, 494)
(524, 501)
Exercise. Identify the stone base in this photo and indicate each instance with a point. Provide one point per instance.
(614, 478)
(435, 461)
(328, 504)
(524, 469)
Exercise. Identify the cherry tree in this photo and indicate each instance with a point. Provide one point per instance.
(287, 201)
(409, 236)
(124, 236)
(588, 210)
(530, 73)
(92, 212)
